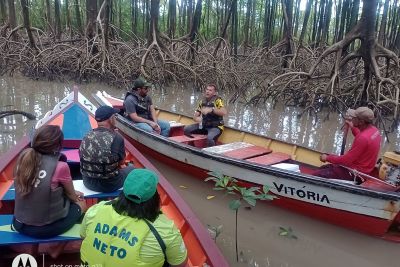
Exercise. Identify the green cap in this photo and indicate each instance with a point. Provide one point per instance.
(140, 185)
(140, 82)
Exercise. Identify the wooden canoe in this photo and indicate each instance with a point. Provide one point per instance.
(75, 115)
(371, 207)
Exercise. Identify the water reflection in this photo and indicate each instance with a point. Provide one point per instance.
(277, 121)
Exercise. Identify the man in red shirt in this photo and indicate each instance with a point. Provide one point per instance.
(363, 153)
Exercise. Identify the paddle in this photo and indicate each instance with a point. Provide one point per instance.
(345, 131)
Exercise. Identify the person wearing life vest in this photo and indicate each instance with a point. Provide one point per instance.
(46, 203)
(209, 116)
(139, 108)
(102, 152)
(363, 153)
(122, 232)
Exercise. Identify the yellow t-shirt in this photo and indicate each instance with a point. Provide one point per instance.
(150, 252)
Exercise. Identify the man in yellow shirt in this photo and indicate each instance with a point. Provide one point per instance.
(208, 116)
(118, 232)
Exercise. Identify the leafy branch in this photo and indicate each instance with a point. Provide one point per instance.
(247, 194)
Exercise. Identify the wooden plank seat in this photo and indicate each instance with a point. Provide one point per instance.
(239, 150)
(272, 158)
(176, 128)
(197, 140)
(12, 237)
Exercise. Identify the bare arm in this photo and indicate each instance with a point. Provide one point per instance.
(70, 191)
(153, 113)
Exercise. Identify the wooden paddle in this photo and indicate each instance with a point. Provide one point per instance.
(345, 132)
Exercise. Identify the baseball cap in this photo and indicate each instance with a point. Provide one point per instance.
(104, 113)
(140, 185)
(141, 82)
(362, 113)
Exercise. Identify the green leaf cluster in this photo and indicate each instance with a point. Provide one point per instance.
(232, 186)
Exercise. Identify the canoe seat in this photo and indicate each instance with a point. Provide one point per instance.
(176, 128)
(197, 140)
(11, 237)
(272, 158)
(239, 150)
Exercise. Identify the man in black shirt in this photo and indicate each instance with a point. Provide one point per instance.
(102, 152)
(140, 109)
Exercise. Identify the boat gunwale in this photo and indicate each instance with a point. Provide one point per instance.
(208, 246)
(265, 168)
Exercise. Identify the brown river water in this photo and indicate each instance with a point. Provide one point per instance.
(317, 243)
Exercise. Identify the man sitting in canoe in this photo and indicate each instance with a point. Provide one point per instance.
(102, 152)
(131, 230)
(209, 116)
(363, 153)
(140, 109)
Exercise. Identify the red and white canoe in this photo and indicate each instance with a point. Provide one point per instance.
(371, 207)
(75, 115)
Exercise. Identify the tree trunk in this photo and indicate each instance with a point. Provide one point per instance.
(267, 28)
(68, 18)
(287, 7)
(195, 28)
(246, 26)
(234, 29)
(134, 19)
(171, 18)
(12, 18)
(91, 14)
(252, 22)
(106, 23)
(189, 14)
(25, 17)
(48, 16)
(382, 30)
(368, 18)
(78, 17)
(337, 20)
(57, 15)
(328, 13)
(345, 11)
(3, 12)
(305, 21)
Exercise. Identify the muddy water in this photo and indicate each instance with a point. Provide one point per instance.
(317, 244)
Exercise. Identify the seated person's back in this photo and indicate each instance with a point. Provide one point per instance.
(118, 233)
(102, 151)
(46, 204)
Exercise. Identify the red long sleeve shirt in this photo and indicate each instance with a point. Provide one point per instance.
(364, 151)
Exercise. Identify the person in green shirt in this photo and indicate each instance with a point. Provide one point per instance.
(118, 232)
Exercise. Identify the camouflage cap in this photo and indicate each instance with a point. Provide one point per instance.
(140, 82)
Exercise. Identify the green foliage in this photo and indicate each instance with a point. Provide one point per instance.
(287, 232)
(215, 231)
(232, 186)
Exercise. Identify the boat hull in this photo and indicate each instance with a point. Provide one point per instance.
(348, 206)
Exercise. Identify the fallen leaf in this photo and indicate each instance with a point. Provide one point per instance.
(182, 186)
(210, 197)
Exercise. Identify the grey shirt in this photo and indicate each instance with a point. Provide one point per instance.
(134, 105)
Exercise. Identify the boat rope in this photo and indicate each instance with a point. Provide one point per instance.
(364, 175)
